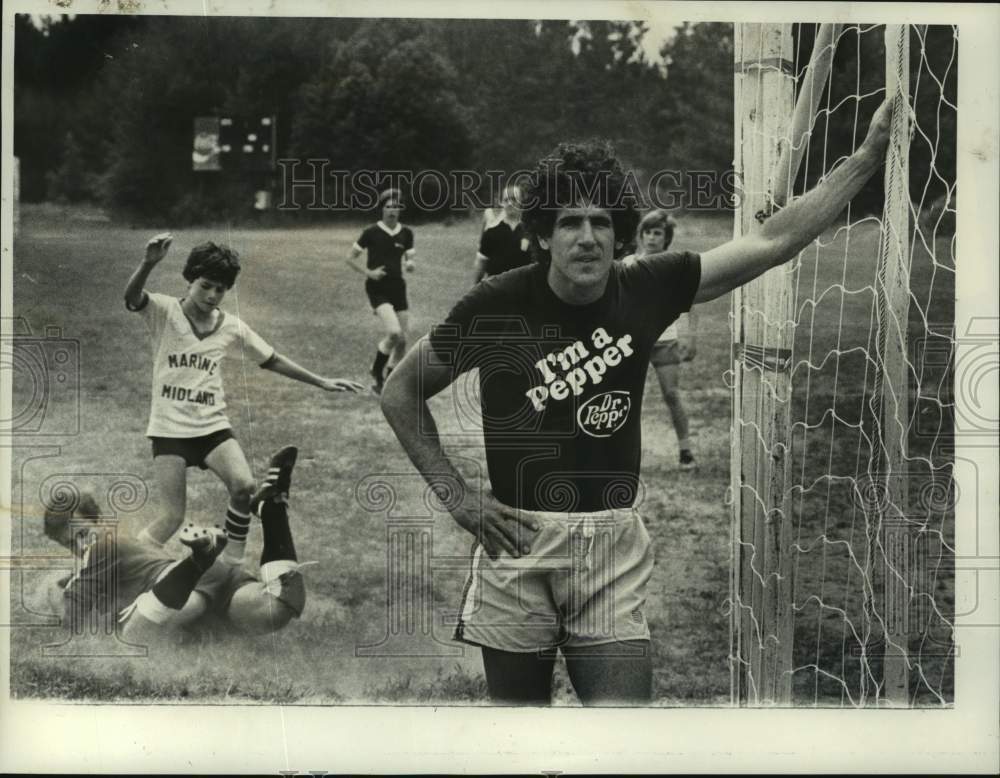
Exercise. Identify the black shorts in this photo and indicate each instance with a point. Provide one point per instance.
(192, 450)
(387, 290)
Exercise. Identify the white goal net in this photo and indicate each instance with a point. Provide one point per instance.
(843, 533)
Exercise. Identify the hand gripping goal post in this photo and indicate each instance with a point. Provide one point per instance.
(842, 528)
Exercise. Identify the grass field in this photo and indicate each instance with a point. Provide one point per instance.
(296, 290)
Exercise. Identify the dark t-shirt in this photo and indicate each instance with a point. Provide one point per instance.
(504, 248)
(385, 250)
(113, 574)
(561, 385)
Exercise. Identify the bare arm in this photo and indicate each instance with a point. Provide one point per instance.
(156, 250)
(404, 403)
(282, 365)
(478, 269)
(793, 228)
(352, 260)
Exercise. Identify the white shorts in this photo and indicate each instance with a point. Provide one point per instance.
(584, 583)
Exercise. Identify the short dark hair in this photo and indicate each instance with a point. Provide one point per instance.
(658, 218)
(216, 263)
(572, 173)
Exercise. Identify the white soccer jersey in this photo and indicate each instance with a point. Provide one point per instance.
(188, 400)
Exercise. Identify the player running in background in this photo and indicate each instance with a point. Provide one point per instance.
(153, 593)
(188, 425)
(561, 558)
(655, 234)
(504, 245)
(390, 248)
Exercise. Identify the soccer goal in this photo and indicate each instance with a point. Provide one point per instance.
(842, 584)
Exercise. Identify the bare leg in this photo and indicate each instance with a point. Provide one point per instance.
(143, 628)
(229, 463)
(171, 486)
(399, 349)
(612, 673)
(255, 610)
(668, 376)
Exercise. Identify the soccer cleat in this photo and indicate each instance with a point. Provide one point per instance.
(279, 478)
(205, 543)
(687, 460)
(379, 382)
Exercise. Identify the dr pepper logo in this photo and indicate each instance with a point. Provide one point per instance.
(603, 415)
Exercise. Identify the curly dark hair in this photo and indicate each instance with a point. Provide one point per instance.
(216, 263)
(572, 174)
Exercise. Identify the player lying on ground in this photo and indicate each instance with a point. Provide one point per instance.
(655, 234)
(188, 425)
(561, 559)
(157, 593)
(390, 248)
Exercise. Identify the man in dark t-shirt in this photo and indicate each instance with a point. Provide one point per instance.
(390, 249)
(561, 559)
(505, 245)
(560, 384)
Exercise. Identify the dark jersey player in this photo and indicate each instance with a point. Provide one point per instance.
(504, 245)
(153, 593)
(561, 558)
(390, 249)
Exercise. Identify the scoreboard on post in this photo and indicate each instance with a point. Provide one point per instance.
(234, 144)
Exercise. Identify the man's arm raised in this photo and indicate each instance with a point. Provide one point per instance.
(415, 380)
(791, 229)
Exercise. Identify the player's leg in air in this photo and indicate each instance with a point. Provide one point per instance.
(269, 604)
(172, 601)
(170, 476)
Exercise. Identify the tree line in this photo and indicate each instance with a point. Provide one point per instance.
(104, 104)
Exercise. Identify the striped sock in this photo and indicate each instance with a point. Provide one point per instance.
(237, 528)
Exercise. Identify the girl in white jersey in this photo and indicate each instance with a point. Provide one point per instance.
(655, 233)
(188, 425)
